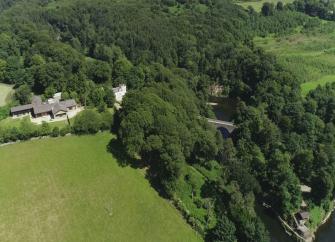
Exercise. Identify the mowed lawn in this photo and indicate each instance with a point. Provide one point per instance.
(72, 189)
(10, 122)
(5, 91)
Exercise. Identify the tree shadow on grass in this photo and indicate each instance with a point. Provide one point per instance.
(156, 183)
(116, 148)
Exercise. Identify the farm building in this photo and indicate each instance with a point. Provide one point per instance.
(53, 108)
(119, 92)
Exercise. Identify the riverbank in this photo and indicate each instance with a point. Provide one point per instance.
(292, 232)
(281, 231)
(328, 215)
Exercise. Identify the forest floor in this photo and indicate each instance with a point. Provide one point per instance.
(73, 189)
(5, 92)
(308, 55)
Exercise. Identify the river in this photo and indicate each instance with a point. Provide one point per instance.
(326, 232)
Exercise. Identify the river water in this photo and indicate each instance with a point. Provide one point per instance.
(326, 232)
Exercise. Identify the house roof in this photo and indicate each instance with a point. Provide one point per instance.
(304, 215)
(120, 88)
(26, 107)
(68, 103)
(304, 188)
(303, 204)
(39, 107)
(58, 107)
(42, 108)
(36, 100)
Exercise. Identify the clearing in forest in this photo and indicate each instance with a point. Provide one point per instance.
(310, 56)
(73, 189)
(5, 91)
(257, 4)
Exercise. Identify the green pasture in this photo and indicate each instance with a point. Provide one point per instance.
(10, 122)
(5, 93)
(73, 189)
(257, 5)
(309, 86)
(179, 8)
(310, 57)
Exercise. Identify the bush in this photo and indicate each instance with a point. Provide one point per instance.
(64, 131)
(45, 129)
(26, 130)
(4, 112)
(55, 132)
(87, 122)
(106, 120)
(23, 94)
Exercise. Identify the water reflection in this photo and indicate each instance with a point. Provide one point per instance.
(277, 233)
(326, 232)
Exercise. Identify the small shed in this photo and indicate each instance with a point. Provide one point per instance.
(57, 96)
(306, 189)
(303, 215)
(303, 204)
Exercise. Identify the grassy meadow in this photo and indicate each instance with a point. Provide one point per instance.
(5, 92)
(179, 8)
(10, 122)
(257, 5)
(73, 189)
(310, 56)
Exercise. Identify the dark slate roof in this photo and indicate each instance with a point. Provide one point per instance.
(39, 107)
(68, 103)
(36, 100)
(58, 107)
(304, 215)
(42, 108)
(26, 107)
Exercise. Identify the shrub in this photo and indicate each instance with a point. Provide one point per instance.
(87, 122)
(55, 132)
(45, 130)
(106, 120)
(23, 94)
(64, 131)
(4, 112)
(26, 130)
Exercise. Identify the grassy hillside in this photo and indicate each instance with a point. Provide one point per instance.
(257, 5)
(5, 91)
(72, 189)
(310, 56)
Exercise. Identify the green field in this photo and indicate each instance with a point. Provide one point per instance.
(10, 122)
(5, 91)
(257, 5)
(72, 189)
(179, 8)
(311, 57)
(311, 85)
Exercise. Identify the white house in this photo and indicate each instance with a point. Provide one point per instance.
(119, 92)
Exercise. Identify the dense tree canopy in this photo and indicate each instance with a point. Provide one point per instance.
(170, 54)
